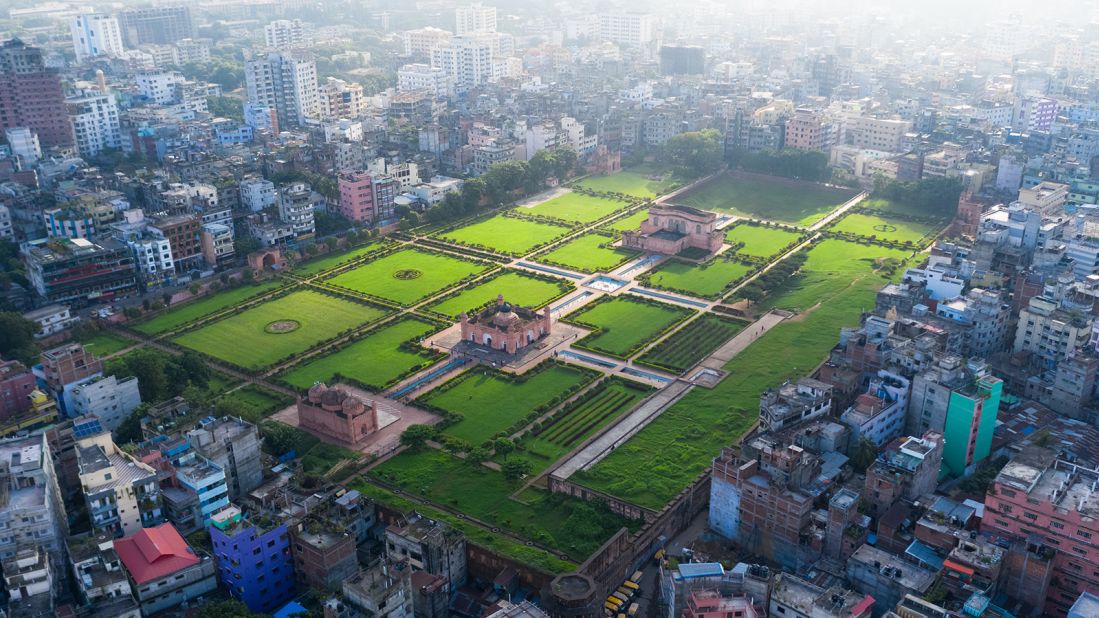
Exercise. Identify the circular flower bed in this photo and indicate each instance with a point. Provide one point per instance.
(407, 273)
(279, 327)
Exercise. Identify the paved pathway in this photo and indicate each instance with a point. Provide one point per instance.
(719, 357)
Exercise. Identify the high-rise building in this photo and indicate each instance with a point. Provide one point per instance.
(296, 208)
(682, 60)
(31, 96)
(32, 514)
(474, 18)
(805, 131)
(283, 34)
(467, 60)
(95, 123)
(626, 28)
(253, 559)
(233, 444)
(423, 77)
(285, 82)
(341, 99)
(94, 35)
(121, 493)
(64, 270)
(158, 25)
(357, 197)
(1050, 333)
(24, 144)
(961, 400)
(421, 41)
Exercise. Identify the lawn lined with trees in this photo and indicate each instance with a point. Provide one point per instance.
(274, 330)
(642, 182)
(203, 306)
(408, 276)
(373, 362)
(624, 324)
(769, 198)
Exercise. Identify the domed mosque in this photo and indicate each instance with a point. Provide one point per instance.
(337, 414)
(506, 327)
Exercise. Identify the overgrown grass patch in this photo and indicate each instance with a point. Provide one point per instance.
(373, 362)
(244, 339)
(407, 276)
(104, 343)
(624, 324)
(203, 306)
(690, 344)
(589, 253)
(254, 403)
(503, 234)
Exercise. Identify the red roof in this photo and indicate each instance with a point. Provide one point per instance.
(961, 568)
(862, 605)
(153, 553)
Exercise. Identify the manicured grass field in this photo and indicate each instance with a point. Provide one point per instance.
(630, 223)
(702, 280)
(510, 235)
(590, 253)
(374, 361)
(575, 208)
(328, 262)
(692, 343)
(241, 339)
(255, 403)
(669, 453)
(518, 288)
(104, 343)
(891, 207)
(886, 228)
(407, 276)
(204, 306)
(624, 323)
(574, 527)
(774, 199)
(638, 182)
(832, 266)
(759, 241)
(580, 420)
(490, 403)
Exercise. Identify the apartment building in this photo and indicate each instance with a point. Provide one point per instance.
(95, 35)
(31, 95)
(285, 82)
(253, 559)
(121, 493)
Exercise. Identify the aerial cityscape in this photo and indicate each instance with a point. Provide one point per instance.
(576, 309)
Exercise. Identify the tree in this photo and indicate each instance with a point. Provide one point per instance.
(196, 368)
(129, 430)
(515, 469)
(230, 608)
(416, 435)
(226, 107)
(864, 454)
(751, 293)
(695, 153)
(244, 245)
(477, 455)
(17, 338)
(503, 446)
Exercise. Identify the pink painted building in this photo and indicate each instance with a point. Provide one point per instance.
(804, 131)
(338, 415)
(1041, 499)
(671, 229)
(505, 327)
(16, 385)
(710, 604)
(357, 196)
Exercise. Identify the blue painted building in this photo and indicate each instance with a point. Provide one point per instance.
(254, 561)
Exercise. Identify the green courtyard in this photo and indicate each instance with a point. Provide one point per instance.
(588, 254)
(374, 361)
(269, 332)
(518, 288)
(489, 402)
(628, 223)
(203, 306)
(622, 325)
(407, 276)
(709, 280)
(886, 228)
(770, 198)
(330, 261)
(575, 208)
(759, 241)
(503, 234)
(642, 182)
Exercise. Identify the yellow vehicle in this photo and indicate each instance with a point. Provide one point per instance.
(615, 602)
(636, 577)
(610, 608)
(660, 553)
(633, 610)
(630, 585)
(621, 615)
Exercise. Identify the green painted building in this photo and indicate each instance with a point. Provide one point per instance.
(970, 419)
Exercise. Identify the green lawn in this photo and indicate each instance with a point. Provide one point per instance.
(702, 280)
(575, 208)
(241, 338)
(502, 234)
(638, 182)
(624, 323)
(203, 306)
(573, 527)
(407, 276)
(255, 403)
(629, 223)
(490, 402)
(832, 266)
(327, 262)
(776, 199)
(692, 343)
(581, 419)
(374, 361)
(669, 453)
(104, 343)
(759, 241)
(517, 287)
(589, 253)
(890, 207)
(886, 228)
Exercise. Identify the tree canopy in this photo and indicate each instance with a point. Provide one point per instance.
(695, 153)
